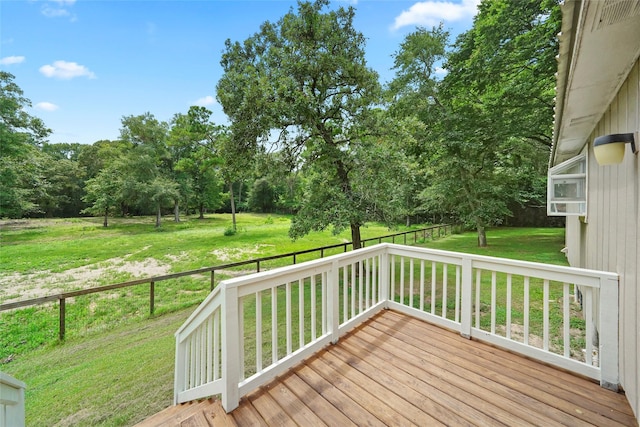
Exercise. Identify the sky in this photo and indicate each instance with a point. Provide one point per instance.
(85, 64)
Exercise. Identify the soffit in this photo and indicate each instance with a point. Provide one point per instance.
(599, 44)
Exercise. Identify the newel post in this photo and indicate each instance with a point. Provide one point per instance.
(608, 337)
(467, 289)
(333, 302)
(230, 348)
(384, 277)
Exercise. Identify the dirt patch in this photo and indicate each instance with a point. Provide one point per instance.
(237, 254)
(17, 286)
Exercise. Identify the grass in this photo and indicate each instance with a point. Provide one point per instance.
(37, 253)
(121, 373)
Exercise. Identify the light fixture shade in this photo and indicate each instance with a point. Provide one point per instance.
(609, 149)
(609, 154)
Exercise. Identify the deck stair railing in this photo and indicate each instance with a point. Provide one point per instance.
(251, 329)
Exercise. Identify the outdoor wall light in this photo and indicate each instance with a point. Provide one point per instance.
(609, 149)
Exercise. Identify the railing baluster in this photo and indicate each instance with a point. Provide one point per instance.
(526, 310)
(457, 305)
(411, 282)
(545, 315)
(401, 280)
(493, 302)
(348, 286)
(478, 285)
(274, 324)
(210, 349)
(241, 337)
(565, 320)
(374, 280)
(508, 323)
(588, 318)
(325, 297)
(367, 284)
(360, 285)
(217, 372)
(288, 316)
(203, 354)
(445, 283)
(392, 295)
(421, 285)
(313, 307)
(258, 331)
(434, 272)
(301, 312)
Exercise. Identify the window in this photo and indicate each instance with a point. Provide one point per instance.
(567, 188)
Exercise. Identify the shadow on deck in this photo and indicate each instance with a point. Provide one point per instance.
(397, 370)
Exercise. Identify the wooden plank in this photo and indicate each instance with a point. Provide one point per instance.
(440, 408)
(398, 402)
(352, 410)
(247, 415)
(578, 390)
(269, 409)
(330, 414)
(369, 399)
(460, 384)
(531, 386)
(294, 407)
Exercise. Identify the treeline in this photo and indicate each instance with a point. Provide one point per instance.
(313, 132)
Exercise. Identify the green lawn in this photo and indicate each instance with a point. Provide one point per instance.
(120, 374)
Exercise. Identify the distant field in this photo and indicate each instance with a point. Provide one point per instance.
(47, 257)
(121, 374)
(42, 257)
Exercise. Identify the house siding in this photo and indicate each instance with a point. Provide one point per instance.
(609, 237)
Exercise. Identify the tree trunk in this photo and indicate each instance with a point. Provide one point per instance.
(233, 206)
(158, 217)
(482, 236)
(105, 223)
(201, 209)
(355, 236)
(408, 223)
(176, 211)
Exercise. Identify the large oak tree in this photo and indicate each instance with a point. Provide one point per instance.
(303, 84)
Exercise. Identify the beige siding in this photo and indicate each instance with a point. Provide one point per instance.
(612, 232)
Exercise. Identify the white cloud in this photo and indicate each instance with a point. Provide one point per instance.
(66, 70)
(46, 106)
(431, 13)
(441, 71)
(58, 9)
(206, 100)
(9, 60)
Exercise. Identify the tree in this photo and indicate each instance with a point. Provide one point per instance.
(491, 111)
(303, 84)
(193, 143)
(20, 136)
(104, 192)
(148, 166)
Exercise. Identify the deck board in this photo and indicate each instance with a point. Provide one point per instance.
(398, 370)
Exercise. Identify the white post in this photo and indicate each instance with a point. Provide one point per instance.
(333, 302)
(230, 349)
(11, 401)
(608, 336)
(466, 306)
(178, 384)
(384, 277)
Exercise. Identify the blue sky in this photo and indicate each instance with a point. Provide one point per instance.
(85, 64)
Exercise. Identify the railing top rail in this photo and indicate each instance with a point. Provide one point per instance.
(97, 289)
(495, 261)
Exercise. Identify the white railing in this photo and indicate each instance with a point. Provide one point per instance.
(11, 401)
(251, 329)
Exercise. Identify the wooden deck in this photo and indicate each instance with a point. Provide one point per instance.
(397, 370)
